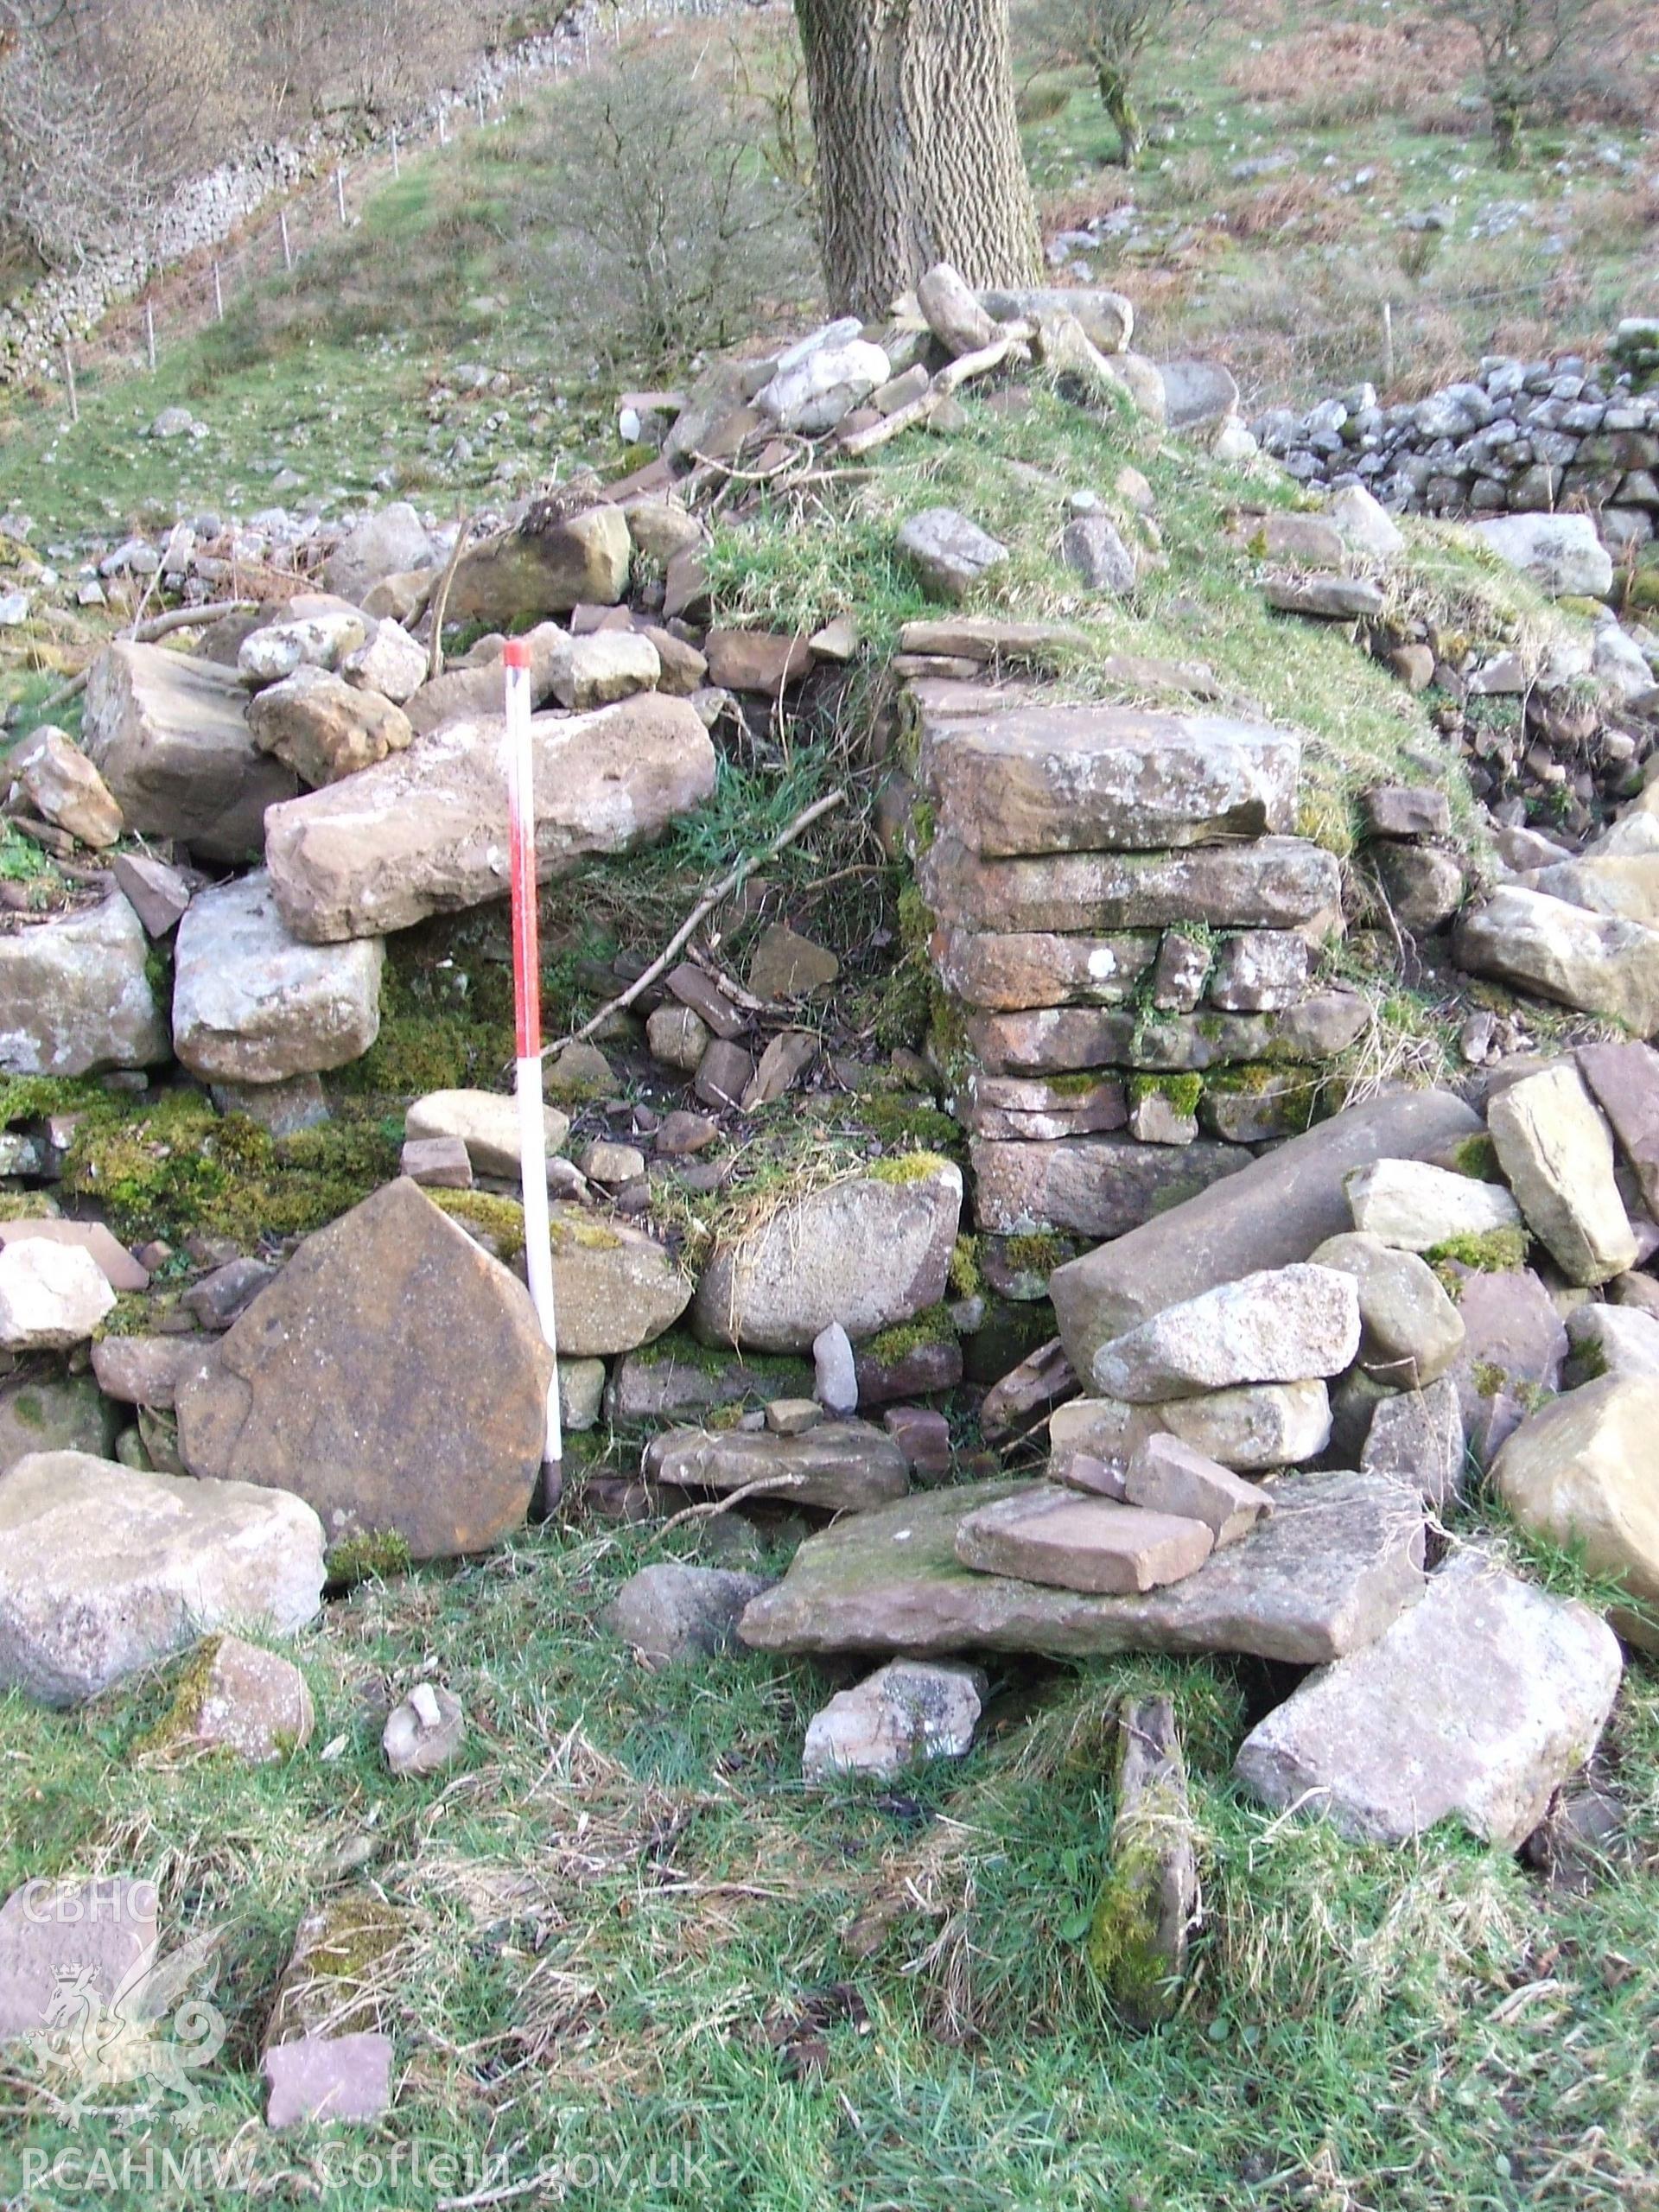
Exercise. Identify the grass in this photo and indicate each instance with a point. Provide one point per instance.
(628, 1932)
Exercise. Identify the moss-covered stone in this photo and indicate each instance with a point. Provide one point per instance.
(1181, 1091)
(908, 1167)
(1477, 1157)
(497, 1220)
(934, 1326)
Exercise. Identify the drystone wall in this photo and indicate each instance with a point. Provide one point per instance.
(1521, 437)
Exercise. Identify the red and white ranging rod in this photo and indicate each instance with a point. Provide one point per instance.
(527, 1010)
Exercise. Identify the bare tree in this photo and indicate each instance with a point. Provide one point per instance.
(1522, 45)
(1111, 37)
(658, 235)
(917, 145)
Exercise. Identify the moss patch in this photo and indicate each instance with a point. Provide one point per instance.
(909, 1167)
(931, 1327)
(1494, 1251)
(1477, 1157)
(499, 1220)
(374, 1555)
(1183, 1092)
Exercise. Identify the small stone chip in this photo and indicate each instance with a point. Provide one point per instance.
(1166, 1476)
(1074, 1542)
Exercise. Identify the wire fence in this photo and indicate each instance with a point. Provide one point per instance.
(188, 297)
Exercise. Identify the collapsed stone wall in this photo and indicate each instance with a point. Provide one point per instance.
(1521, 437)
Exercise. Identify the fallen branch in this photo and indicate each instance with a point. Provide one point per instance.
(723, 890)
(151, 633)
(441, 597)
(1016, 339)
(762, 1485)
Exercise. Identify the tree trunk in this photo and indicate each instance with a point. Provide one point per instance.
(1115, 99)
(918, 148)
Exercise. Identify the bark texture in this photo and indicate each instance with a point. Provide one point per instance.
(919, 147)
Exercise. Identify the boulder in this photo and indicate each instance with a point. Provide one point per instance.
(674, 1378)
(840, 1466)
(813, 395)
(907, 1715)
(1365, 525)
(869, 1251)
(608, 665)
(1093, 1186)
(1474, 1706)
(1036, 780)
(170, 738)
(1168, 1477)
(1513, 1351)
(388, 661)
(1562, 554)
(1092, 549)
(425, 1733)
(1340, 1557)
(279, 649)
(1625, 884)
(549, 566)
(486, 1123)
(953, 313)
(614, 1287)
(1106, 318)
(1424, 886)
(758, 661)
(158, 894)
(239, 1698)
(1410, 1331)
(949, 552)
(253, 1004)
(393, 1376)
(49, 1413)
(1596, 963)
(1624, 1080)
(1558, 1154)
(1271, 1215)
(1327, 598)
(1286, 1325)
(119, 1267)
(104, 1571)
(324, 728)
(1415, 1207)
(76, 997)
(1271, 883)
(1198, 396)
(51, 1296)
(1252, 1430)
(1416, 1437)
(671, 1611)
(1067, 1541)
(1609, 1340)
(59, 784)
(1581, 1475)
(391, 541)
(425, 832)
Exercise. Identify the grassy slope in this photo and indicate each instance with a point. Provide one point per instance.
(624, 1898)
(625, 1921)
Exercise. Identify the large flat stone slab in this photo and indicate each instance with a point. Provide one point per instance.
(1472, 1706)
(104, 1571)
(1340, 1557)
(1093, 778)
(393, 1376)
(1276, 883)
(170, 737)
(253, 1004)
(1091, 1185)
(1272, 1214)
(1054, 1040)
(75, 994)
(845, 1466)
(425, 832)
